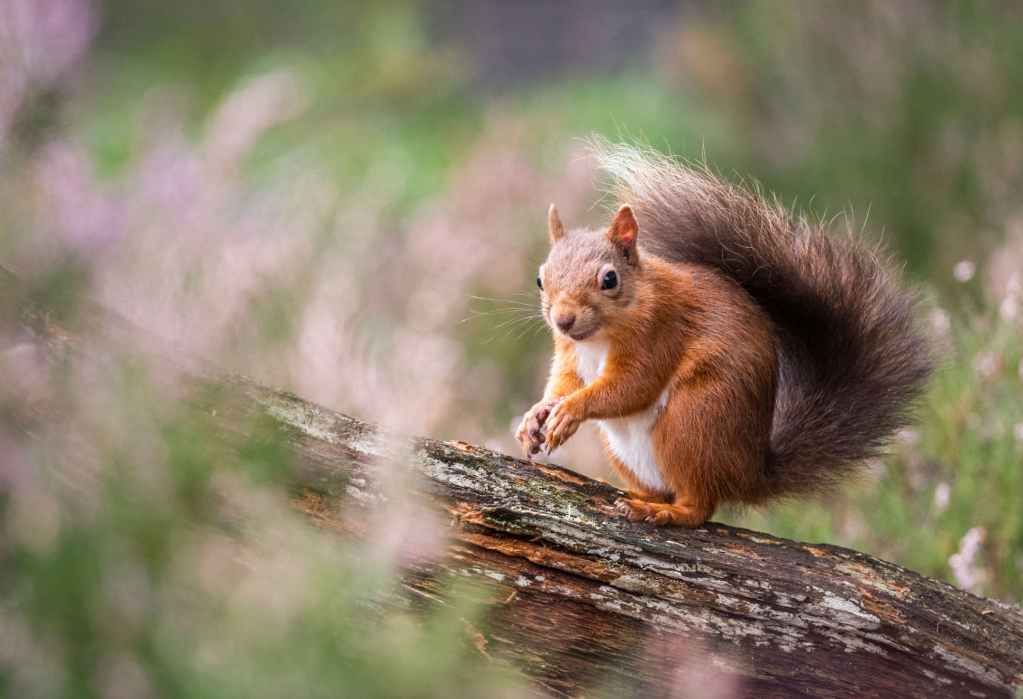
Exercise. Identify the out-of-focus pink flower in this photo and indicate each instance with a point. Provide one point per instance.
(40, 40)
(964, 271)
(259, 104)
(987, 363)
(198, 244)
(968, 575)
(85, 218)
(940, 321)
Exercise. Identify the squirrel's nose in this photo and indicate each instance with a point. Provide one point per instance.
(565, 321)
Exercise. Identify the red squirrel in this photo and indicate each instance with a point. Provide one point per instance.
(729, 353)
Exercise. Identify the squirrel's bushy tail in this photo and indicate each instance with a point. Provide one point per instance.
(853, 355)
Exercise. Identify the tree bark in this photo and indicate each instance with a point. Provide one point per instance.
(587, 603)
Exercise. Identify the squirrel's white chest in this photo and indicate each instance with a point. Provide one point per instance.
(590, 358)
(630, 438)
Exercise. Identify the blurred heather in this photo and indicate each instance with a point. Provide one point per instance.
(347, 200)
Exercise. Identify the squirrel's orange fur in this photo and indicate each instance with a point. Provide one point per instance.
(709, 377)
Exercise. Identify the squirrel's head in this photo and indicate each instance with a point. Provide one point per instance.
(589, 276)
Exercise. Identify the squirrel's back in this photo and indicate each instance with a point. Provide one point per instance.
(852, 353)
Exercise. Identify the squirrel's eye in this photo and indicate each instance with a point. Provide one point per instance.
(539, 283)
(610, 281)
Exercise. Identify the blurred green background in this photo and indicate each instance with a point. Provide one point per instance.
(348, 200)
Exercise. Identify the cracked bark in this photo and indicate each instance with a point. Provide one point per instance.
(586, 602)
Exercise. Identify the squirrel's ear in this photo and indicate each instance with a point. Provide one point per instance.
(623, 232)
(554, 223)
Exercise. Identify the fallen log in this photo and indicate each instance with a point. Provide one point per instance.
(586, 602)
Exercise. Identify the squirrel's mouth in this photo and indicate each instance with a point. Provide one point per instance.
(579, 337)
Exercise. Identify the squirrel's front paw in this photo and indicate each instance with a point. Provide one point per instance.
(529, 433)
(561, 424)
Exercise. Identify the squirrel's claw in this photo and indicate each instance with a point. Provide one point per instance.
(561, 424)
(530, 433)
(635, 510)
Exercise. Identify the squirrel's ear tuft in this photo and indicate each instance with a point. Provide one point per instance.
(623, 232)
(555, 225)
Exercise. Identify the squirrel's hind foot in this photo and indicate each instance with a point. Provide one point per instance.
(689, 516)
